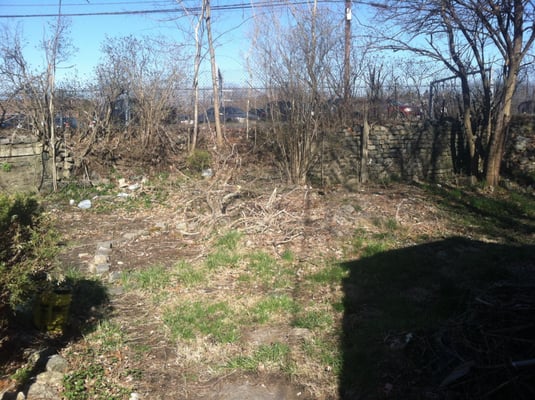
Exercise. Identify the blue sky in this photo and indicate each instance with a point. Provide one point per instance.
(89, 32)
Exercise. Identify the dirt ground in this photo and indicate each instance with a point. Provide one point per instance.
(179, 218)
(312, 223)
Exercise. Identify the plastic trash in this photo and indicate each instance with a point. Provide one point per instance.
(135, 186)
(84, 204)
(207, 173)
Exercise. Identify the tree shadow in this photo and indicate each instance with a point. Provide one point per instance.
(440, 320)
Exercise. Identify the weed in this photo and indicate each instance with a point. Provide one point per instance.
(6, 167)
(92, 383)
(28, 247)
(22, 375)
(229, 241)
(199, 160)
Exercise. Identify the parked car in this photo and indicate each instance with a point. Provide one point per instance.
(279, 110)
(259, 112)
(397, 109)
(185, 119)
(227, 114)
(66, 122)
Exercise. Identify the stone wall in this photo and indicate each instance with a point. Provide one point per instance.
(519, 160)
(25, 167)
(21, 164)
(407, 151)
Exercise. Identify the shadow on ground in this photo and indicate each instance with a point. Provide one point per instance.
(25, 345)
(451, 319)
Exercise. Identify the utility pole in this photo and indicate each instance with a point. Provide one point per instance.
(347, 53)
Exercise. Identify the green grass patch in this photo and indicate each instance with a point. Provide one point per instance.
(152, 279)
(314, 319)
(266, 270)
(92, 382)
(505, 214)
(272, 356)
(216, 320)
(326, 352)
(331, 274)
(225, 252)
(271, 306)
(229, 241)
(222, 259)
(109, 336)
(190, 275)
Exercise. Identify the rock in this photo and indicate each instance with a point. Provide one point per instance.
(84, 204)
(46, 387)
(104, 245)
(56, 363)
(102, 269)
(114, 276)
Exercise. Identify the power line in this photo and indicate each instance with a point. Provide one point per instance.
(184, 10)
(119, 3)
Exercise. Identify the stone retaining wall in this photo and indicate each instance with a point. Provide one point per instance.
(407, 151)
(25, 167)
(427, 151)
(21, 164)
(519, 160)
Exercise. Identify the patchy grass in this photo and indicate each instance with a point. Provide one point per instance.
(216, 320)
(346, 323)
(504, 215)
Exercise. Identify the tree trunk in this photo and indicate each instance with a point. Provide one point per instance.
(196, 67)
(498, 137)
(219, 133)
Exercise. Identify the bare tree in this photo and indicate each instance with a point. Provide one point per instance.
(34, 90)
(198, 34)
(295, 61)
(464, 36)
(139, 78)
(54, 49)
(213, 65)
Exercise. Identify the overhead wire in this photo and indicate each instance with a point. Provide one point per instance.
(180, 9)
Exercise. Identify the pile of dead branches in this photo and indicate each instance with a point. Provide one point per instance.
(486, 353)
